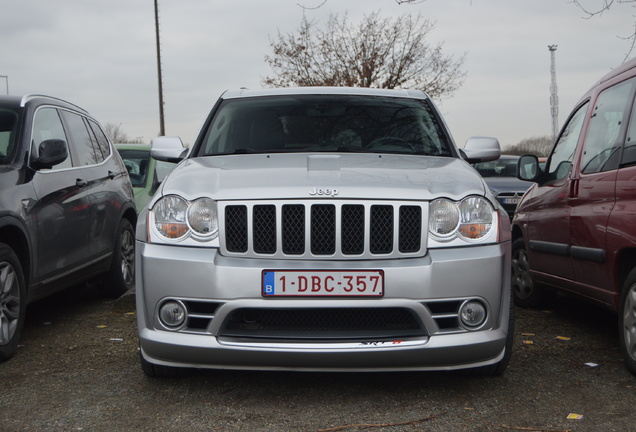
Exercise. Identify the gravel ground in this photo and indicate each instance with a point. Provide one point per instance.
(78, 369)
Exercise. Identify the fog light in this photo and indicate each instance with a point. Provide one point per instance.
(472, 314)
(172, 313)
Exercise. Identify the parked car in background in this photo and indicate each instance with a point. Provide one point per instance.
(501, 177)
(67, 212)
(324, 229)
(145, 172)
(574, 229)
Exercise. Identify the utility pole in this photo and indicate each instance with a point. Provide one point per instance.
(162, 129)
(554, 98)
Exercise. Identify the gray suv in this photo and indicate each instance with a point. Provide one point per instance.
(67, 210)
(324, 229)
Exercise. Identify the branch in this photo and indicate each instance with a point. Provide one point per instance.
(312, 8)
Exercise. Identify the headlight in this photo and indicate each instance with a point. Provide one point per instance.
(176, 219)
(470, 219)
(476, 217)
(202, 217)
(443, 218)
(170, 217)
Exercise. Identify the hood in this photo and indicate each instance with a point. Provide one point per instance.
(303, 176)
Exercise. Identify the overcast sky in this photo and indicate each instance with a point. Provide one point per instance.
(102, 56)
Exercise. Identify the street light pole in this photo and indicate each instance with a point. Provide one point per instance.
(162, 129)
(554, 98)
(6, 78)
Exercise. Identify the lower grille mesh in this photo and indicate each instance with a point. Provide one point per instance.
(322, 323)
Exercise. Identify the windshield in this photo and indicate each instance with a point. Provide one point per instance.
(8, 126)
(321, 123)
(498, 168)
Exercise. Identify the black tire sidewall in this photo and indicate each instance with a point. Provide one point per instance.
(115, 285)
(7, 255)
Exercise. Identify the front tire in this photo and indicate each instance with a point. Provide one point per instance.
(12, 302)
(627, 322)
(121, 276)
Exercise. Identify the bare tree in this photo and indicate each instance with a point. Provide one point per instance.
(115, 134)
(377, 52)
(538, 145)
(604, 6)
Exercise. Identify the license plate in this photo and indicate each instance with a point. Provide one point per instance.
(511, 200)
(323, 283)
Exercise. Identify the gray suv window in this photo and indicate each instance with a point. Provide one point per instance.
(48, 125)
(8, 121)
(81, 139)
(102, 141)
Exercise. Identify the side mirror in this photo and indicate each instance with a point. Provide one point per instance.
(52, 152)
(528, 168)
(481, 149)
(168, 149)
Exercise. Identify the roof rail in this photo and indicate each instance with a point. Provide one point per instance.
(29, 97)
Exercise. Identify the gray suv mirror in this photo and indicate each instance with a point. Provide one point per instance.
(52, 152)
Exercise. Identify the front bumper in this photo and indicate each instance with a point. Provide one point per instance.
(420, 286)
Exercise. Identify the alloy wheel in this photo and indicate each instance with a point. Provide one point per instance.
(629, 321)
(127, 257)
(521, 282)
(9, 302)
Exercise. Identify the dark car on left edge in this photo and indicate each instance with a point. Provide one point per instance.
(67, 208)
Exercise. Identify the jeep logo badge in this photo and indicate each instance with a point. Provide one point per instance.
(323, 192)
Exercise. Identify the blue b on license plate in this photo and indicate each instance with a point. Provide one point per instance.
(323, 283)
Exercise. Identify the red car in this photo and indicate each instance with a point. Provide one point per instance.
(575, 229)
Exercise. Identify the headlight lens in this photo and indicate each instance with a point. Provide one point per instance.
(476, 217)
(202, 217)
(170, 217)
(175, 218)
(443, 218)
(470, 219)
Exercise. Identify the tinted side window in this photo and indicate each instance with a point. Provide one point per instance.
(629, 151)
(102, 141)
(563, 152)
(48, 125)
(8, 122)
(81, 139)
(603, 140)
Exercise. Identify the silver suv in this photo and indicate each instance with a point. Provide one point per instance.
(324, 229)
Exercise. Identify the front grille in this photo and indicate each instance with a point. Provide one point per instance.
(334, 229)
(322, 323)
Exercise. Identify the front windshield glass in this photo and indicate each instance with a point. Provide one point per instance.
(498, 168)
(325, 123)
(8, 133)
